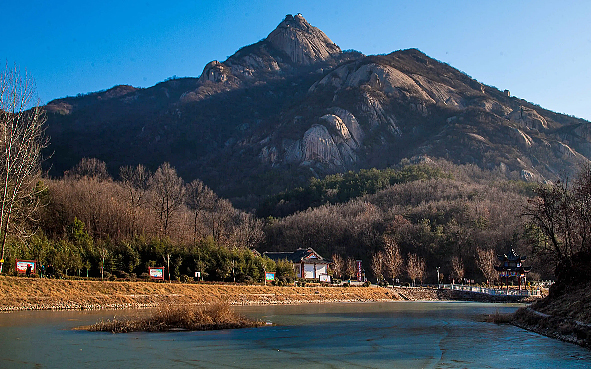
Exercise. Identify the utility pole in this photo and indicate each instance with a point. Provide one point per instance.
(438, 285)
(168, 266)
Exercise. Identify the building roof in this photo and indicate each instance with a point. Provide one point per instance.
(306, 255)
(511, 262)
(511, 256)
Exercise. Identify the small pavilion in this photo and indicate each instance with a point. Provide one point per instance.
(512, 266)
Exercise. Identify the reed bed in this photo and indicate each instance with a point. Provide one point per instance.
(180, 318)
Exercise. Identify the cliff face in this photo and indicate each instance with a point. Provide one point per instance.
(377, 105)
(303, 43)
(293, 105)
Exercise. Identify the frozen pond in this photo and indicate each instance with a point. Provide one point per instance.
(354, 335)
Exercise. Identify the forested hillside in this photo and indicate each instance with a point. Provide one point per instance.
(449, 217)
(436, 213)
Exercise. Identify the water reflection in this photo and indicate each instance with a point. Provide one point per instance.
(374, 335)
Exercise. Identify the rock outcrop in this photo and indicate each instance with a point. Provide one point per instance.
(528, 118)
(303, 43)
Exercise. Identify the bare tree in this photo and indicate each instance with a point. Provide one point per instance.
(91, 168)
(135, 181)
(248, 232)
(416, 268)
(486, 260)
(457, 268)
(223, 221)
(201, 200)
(168, 194)
(21, 141)
(562, 214)
(377, 265)
(350, 267)
(392, 259)
(337, 265)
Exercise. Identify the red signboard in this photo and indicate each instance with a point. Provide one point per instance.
(156, 273)
(359, 270)
(22, 266)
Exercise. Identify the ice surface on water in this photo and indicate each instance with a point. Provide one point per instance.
(371, 335)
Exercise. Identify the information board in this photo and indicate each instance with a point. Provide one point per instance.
(157, 273)
(23, 265)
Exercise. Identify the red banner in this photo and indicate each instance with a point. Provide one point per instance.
(359, 270)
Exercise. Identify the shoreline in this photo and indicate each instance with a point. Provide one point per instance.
(560, 328)
(18, 294)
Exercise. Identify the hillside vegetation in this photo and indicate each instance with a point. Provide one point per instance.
(438, 219)
(341, 188)
(436, 213)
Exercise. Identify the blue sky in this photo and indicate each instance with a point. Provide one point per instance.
(539, 50)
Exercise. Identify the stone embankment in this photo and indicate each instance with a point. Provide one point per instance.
(55, 294)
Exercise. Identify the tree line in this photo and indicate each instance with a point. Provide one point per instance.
(457, 223)
(91, 224)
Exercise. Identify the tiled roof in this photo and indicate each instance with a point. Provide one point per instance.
(297, 256)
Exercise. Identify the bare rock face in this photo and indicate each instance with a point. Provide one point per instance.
(332, 144)
(268, 155)
(521, 138)
(336, 123)
(375, 113)
(564, 150)
(303, 43)
(351, 123)
(214, 72)
(527, 175)
(439, 92)
(495, 107)
(318, 146)
(528, 118)
(380, 77)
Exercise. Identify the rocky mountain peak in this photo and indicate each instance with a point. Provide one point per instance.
(303, 43)
(294, 105)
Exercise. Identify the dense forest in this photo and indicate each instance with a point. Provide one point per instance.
(401, 222)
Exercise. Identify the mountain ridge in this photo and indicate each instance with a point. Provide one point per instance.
(293, 105)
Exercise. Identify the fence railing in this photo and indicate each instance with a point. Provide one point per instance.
(493, 291)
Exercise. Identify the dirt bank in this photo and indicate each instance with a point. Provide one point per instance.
(56, 294)
(566, 316)
(48, 294)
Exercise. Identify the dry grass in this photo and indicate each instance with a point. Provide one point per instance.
(56, 294)
(184, 317)
(499, 318)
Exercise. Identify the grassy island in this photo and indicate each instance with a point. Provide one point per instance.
(183, 317)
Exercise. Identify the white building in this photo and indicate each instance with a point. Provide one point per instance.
(308, 264)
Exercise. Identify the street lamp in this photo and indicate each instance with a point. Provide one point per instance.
(438, 286)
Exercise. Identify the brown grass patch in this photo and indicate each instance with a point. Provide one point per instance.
(499, 318)
(184, 317)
